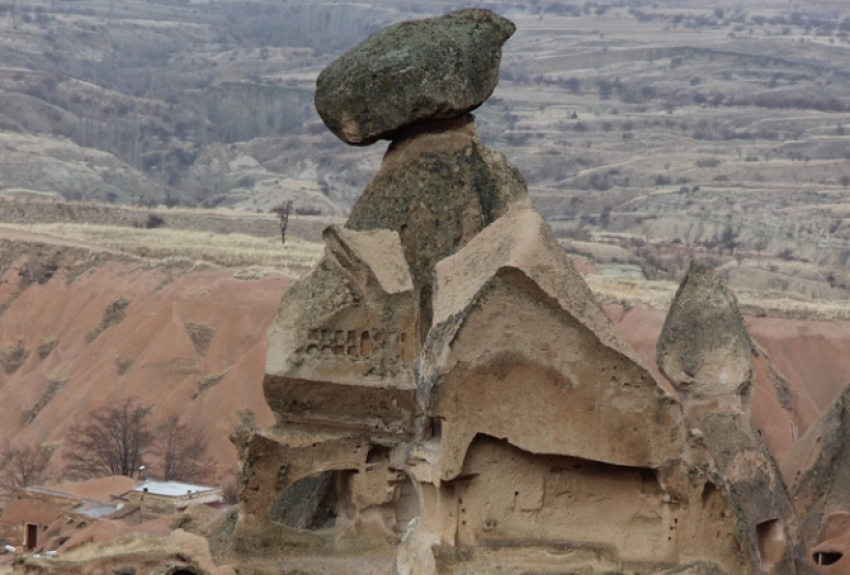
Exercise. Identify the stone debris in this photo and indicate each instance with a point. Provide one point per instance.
(413, 72)
(449, 394)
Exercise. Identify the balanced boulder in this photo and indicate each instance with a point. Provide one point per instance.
(412, 72)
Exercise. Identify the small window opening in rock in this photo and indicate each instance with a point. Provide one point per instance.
(827, 557)
(406, 506)
(365, 344)
(707, 491)
(771, 542)
(376, 456)
(434, 429)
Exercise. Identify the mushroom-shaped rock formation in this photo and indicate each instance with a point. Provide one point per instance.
(412, 72)
(523, 435)
(817, 467)
(704, 348)
(706, 352)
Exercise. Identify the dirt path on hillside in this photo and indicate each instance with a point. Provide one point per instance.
(16, 235)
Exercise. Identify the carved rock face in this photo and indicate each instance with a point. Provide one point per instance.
(521, 350)
(412, 72)
(341, 350)
(704, 348)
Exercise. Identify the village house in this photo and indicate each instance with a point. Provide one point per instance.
(40, 518)
(38, 515)
(157, 498)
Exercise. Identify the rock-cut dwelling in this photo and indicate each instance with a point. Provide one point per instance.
(448, 391)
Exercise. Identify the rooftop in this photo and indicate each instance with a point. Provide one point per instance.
(171, 488)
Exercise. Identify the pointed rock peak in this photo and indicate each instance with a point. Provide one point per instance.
(521, 240)
(814, 470)
(704, 347)
(377, 252)
(520, 349)
(354, 316)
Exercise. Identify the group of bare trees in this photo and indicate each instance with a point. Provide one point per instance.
(21, 467)
(115, 440)
(118, 439)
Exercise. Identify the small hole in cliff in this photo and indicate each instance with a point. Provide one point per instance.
(577, 466)
(516, 493)
(377, 455)
(365, 344)
(771, 542)
(707, 491)
(827, 557)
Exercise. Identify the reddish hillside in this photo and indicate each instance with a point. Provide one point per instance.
(81, 328)
(802, 368)
(103, 326)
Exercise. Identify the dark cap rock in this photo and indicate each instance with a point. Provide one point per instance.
(412, 72)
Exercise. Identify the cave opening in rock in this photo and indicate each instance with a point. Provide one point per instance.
(311, 502)
(824, 558)
(771, 542)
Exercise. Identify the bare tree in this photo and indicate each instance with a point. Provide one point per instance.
(283, 211)
(182, 451)
(21, 467)
(761, 243)
(114, 441)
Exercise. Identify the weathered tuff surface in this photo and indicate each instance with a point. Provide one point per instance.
(339, 380)
(817, 467)
(831, 555)
(413, 72)
(543, 431)
(704, 347)
(514, 375)
(706, 352)
(342, 347)
(437, 189)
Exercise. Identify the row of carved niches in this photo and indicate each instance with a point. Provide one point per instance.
(354, 345)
